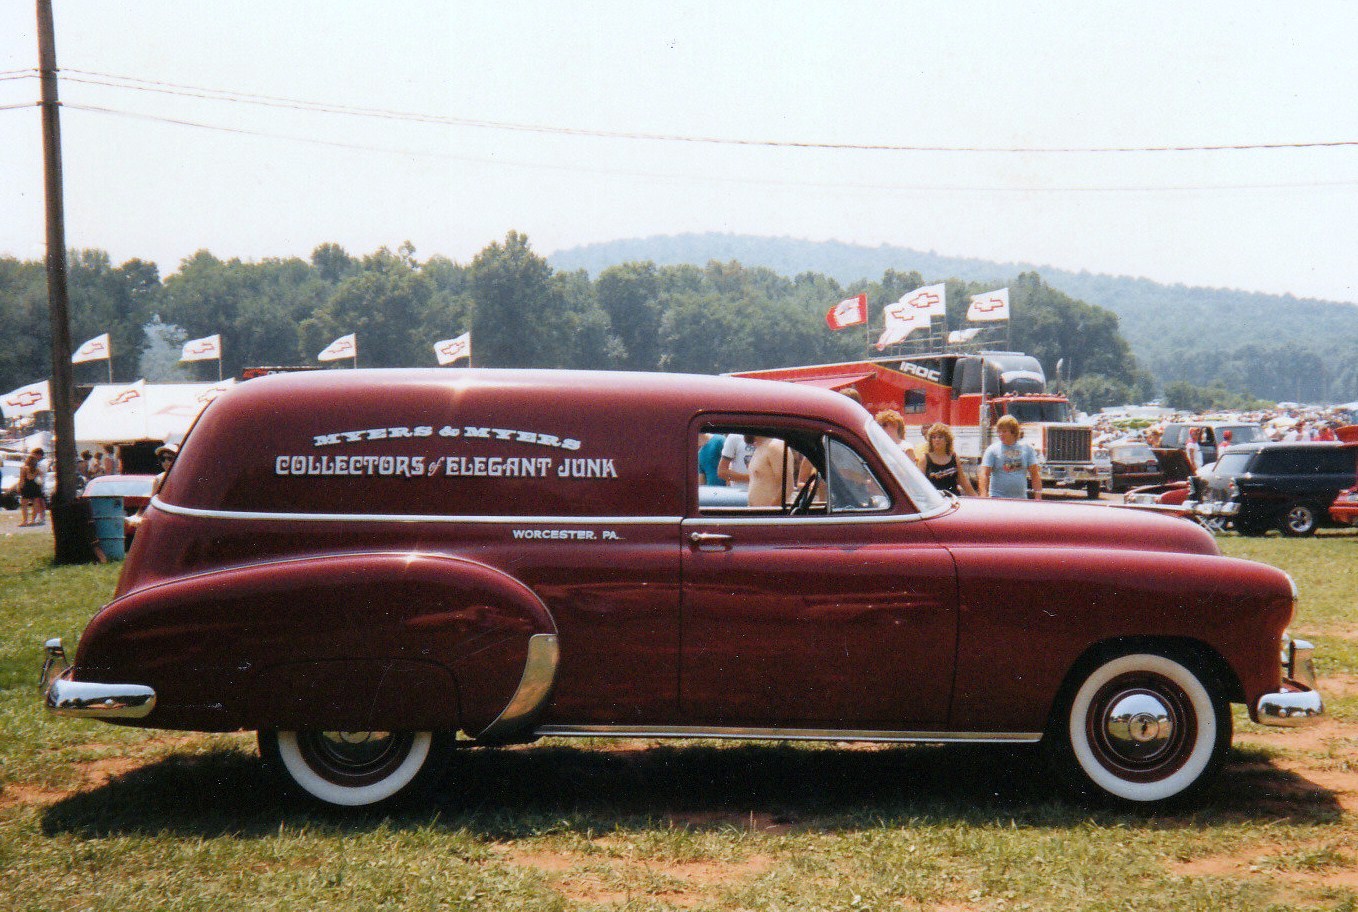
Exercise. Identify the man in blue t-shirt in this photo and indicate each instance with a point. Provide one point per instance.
(709, 455)
(1008, 466)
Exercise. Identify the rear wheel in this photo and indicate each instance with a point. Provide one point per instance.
(1300, 519)
(357, 769)
(1141, 729)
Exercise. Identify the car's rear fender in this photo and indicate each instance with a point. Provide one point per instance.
(357, 641)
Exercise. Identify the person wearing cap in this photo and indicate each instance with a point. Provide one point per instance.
(166, 455)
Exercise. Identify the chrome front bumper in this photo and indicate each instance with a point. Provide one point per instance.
(1299, 701)
(1212, 508)
(88, 700)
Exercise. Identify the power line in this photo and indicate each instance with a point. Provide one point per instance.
(898, 188)
(169, 88)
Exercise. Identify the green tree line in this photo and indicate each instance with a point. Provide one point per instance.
(522, 313)
(1253, 345)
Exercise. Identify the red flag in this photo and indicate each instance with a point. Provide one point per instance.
(849, 312)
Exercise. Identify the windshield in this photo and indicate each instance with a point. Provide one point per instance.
(1233, 463)
(1243, 433)
(1031, 412)
(1133, 454)
(925, 496)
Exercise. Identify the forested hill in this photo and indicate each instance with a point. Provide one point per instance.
(1275, 346)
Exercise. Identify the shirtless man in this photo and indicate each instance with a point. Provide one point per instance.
(771, 475)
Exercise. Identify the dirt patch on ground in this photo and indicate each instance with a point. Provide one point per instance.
(1341, 631)
(1253, 864)
(97, 772)
(608, 879)
(1315, 763)
(19, 795)
(1338, 686)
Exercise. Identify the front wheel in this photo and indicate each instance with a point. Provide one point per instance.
(357, 769)
(1141, 729)
(1092, 490)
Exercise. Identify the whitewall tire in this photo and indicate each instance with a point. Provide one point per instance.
(1142, 728)
(356, 769)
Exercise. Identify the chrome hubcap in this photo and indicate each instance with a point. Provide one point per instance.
(1138, 726)
(354, 750)
(1299, 518)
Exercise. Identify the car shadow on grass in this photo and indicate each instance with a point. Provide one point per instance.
(773, 788)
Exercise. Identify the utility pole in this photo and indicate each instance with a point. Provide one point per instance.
(69, 528)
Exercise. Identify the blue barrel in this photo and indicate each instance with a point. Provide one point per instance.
(108, 516)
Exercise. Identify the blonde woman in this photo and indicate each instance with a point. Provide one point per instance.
(939, 462)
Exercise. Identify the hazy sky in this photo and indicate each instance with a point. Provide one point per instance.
(991, 76)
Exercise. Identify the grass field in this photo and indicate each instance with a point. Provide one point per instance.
(102, 818)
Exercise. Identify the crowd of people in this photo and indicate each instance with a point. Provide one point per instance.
(1285, 423)
(759, 465)
(36, 466)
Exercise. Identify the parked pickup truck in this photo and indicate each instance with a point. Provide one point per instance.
(372, 569)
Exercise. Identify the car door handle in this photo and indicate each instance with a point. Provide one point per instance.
(710, 541)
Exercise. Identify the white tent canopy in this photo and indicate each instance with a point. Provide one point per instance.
(131, 412)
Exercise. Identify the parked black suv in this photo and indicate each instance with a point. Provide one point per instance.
(1284, 486)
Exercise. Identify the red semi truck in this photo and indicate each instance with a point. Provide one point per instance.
(968, 392)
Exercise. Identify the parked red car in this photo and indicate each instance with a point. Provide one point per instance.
(361, 564)
(135, 490)
(1344, 510)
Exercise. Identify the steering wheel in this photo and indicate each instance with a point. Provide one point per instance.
(801, 504)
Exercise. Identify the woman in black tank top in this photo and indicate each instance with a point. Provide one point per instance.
(939, 462)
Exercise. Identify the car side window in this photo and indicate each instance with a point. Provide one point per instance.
(1337, 462)
(773, 471)
(752, 470)
(853, 487)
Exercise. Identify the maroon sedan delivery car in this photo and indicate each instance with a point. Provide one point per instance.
(370, 567)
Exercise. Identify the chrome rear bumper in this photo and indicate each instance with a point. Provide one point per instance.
(99, 701)
(90, 700)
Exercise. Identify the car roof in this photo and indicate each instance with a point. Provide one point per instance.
(1212, 424)
(1260, 446)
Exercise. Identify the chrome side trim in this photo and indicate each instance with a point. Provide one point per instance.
(535, 687)
(415, 517)
(100, 701)
(781, 734)
(1290, 708)
(835, 519)
(259, 516)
